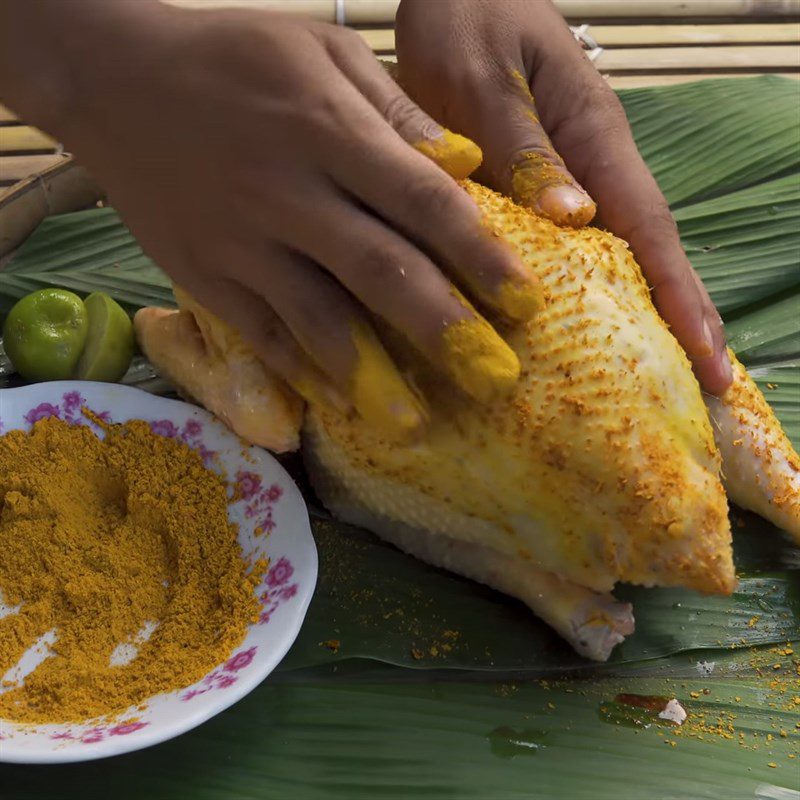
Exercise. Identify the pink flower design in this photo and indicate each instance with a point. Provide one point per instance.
(240, 660)
(72, 403)
(209, 679)
(127, 727)
(248, 484)
(104, 416)
(164, 427)
(191, 694)
(280, 572)
(267, 525)
(192, 429)
(42, 411)
(65, 735)
(274, 493)
(93, 735)
(288, 592)
(265, 596)
(205, 453)
(265, 617)
(224, 681)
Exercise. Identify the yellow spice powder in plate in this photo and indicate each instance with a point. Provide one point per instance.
(100, 542)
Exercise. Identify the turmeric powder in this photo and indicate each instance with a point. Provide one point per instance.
(103, 542)
(479, 361)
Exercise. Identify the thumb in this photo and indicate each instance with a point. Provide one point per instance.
(519, 159)
(523, 162)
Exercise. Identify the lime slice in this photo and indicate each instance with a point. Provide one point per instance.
(109, 343)
(44, 334)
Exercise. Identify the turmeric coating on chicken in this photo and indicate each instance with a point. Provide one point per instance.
(601, 465)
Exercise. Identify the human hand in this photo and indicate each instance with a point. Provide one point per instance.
(264, 162)
(477, 65)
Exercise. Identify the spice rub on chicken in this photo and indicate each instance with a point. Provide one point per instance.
(603, 464)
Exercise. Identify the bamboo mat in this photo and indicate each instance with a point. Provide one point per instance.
(632, 42)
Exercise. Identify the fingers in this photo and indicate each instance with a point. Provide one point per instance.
(635, 210)
(633, 207)
(396, 281)
(593, 134)
(714, 373)
(458, 156)
(330, 326)
(267, 334)
(423, 203)
(520, 158)
(491, 102)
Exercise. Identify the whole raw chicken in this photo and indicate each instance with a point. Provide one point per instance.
(601, 466)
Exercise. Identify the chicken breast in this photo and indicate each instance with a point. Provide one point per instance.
(601, 465)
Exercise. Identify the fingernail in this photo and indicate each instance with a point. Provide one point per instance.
(520, 299)
(565, 205)
(478, 360)
(458, 156)
(380, 394)
(707, 348)
(726, 367)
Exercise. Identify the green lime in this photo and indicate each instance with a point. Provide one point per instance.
(109, 344)
(44, 334)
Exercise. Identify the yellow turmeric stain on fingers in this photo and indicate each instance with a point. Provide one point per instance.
(519, 299)
(520, 80)
(458, 156)
(379, 393)
(543, 184)
(534, 174)
(317, 390)
(478, 360)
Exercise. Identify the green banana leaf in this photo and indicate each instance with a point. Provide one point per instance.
(745, 245)
(711, 138)
(770, 332)
(361, 733)
(408, 681)
(85, 251)
(780, 383)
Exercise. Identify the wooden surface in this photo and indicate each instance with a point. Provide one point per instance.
(633, 43)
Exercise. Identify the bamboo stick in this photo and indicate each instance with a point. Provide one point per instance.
(323, 10)
(7, 115)
(630, 35)
(15, 168)
(786, 57)
(23, 138)
(638, 9)
(383, 39)
(356, 12)
(371, 12)
(782, 58)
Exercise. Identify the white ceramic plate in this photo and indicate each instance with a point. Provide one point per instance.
(269, 499)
